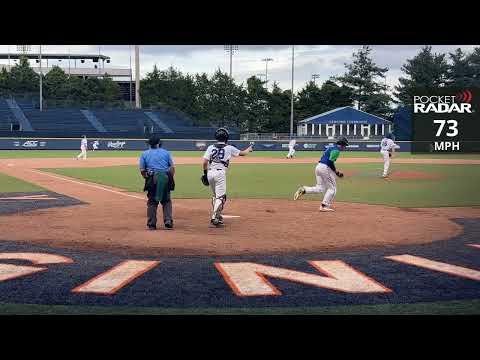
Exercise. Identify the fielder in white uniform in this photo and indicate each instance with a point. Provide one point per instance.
(387, 148)
(215, 164)
(83, 148)
(291, 148)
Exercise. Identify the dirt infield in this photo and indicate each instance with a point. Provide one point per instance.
(114, 220)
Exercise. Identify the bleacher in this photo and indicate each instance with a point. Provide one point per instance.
(123, 121)
(55, 119)
(6, 116)
(67, 122)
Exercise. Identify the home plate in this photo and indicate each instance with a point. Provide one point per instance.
(230, 216)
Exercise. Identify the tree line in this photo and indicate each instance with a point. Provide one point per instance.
(252, 106)
(58, 88)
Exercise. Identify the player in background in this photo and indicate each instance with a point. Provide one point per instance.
(325, 173)
(83, 148)
(387, 148)
(291, 148)
(215, 164)
(95, 145)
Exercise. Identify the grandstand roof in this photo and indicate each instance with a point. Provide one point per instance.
(54, 56)
(345, 115)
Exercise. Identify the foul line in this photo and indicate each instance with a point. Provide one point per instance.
(104, 189)
(86, 184)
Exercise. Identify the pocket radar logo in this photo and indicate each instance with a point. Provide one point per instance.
(444, 104)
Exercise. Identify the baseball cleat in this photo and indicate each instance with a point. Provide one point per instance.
(169, 225)
(325, 208)
(299, 193)
(216, 222)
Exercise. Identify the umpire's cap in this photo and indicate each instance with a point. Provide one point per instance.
(154, 140)
(221, 134)
(342, 141)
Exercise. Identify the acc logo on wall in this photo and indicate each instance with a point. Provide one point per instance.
(116, 144)
(30, 144)
(309, 146)
(268, 145)
(284, 146)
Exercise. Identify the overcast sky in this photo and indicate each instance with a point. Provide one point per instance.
(325, 60)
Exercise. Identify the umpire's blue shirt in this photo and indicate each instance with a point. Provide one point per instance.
(158, 160)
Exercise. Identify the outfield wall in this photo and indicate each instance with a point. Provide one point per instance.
(178, 145)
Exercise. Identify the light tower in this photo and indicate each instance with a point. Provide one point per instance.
(315, 77)
(266, 69)
(231, 49)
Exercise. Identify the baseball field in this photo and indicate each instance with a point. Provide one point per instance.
(74, 240)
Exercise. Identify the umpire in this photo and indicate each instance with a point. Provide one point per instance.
(158, 170)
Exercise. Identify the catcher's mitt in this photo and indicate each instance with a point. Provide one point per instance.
(204, 179)
(339, 174)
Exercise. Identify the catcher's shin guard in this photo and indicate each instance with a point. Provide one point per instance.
(218, 206)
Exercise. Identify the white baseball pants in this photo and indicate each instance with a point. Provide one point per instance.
(326, 184)
(218, 184)
(291, 152)
(386, 162)
(83, 154)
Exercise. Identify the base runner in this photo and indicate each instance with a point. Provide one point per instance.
(387, 148)
(215, 164)
(325, 173)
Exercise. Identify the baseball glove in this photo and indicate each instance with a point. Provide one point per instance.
(389, 154)
(204, 179)
(339, 174)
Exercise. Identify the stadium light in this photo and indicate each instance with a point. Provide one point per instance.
(291, 100)
(315, 77)
(266, 69)
(231, 49)
(41, 84)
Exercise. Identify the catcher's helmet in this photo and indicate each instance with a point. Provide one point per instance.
(222, 135)
(342, 141)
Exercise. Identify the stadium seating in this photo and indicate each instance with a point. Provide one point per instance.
(6, 116)
(123, 121)
(69, 120)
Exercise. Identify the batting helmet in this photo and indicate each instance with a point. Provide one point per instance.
(222, 135)
(342, 141)
(390, 136)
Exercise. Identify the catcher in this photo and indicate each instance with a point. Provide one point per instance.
(387, 148)
(215, 164)
(158, 170)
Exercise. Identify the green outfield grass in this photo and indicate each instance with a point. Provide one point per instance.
(21, 154)
(456, 185)
(10, 184)
(460, 307)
